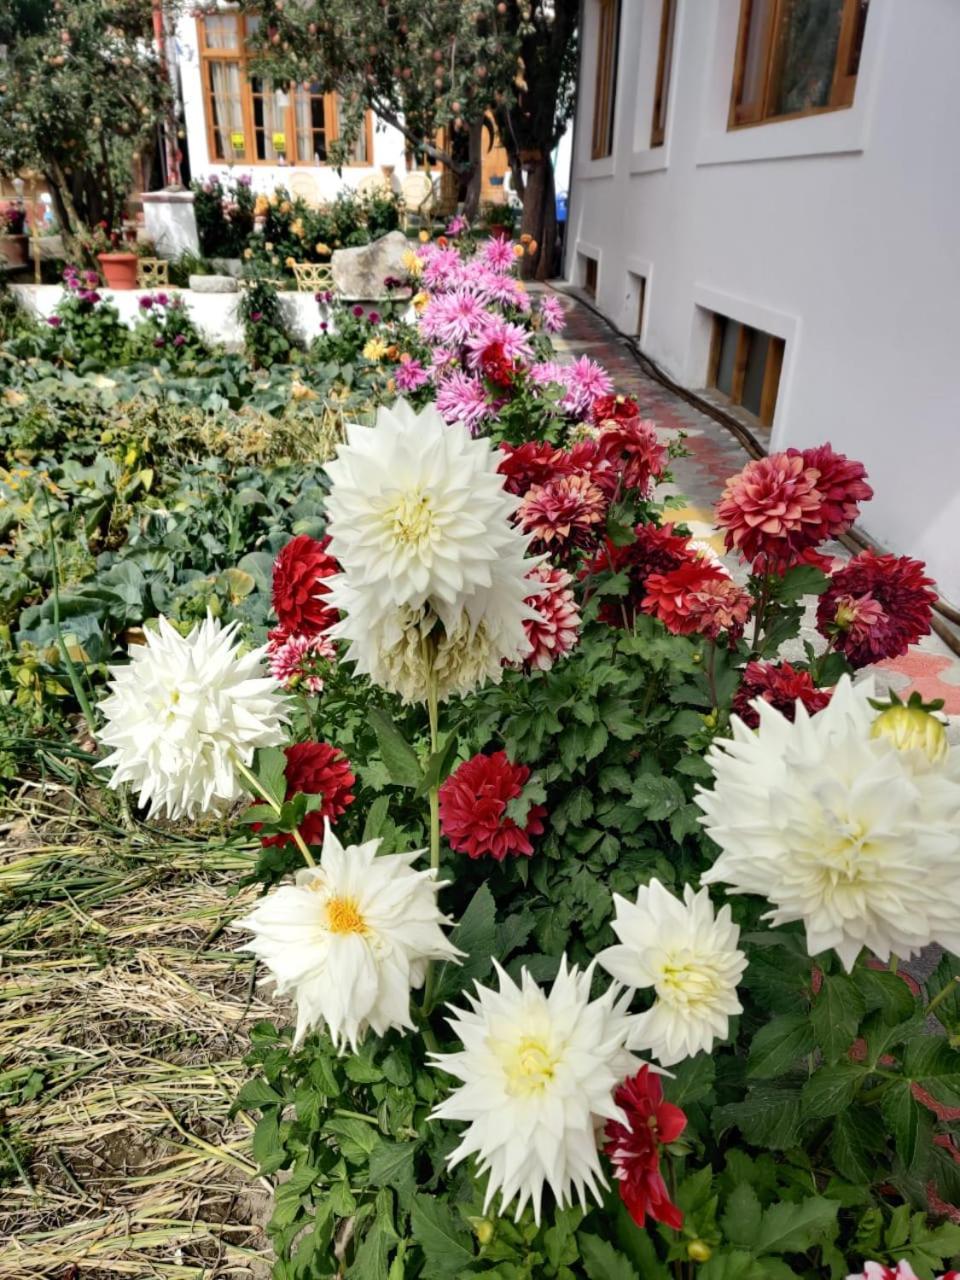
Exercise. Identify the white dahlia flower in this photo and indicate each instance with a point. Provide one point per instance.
(421, 523)
(183, 713)
(350, 938)
(839, 828)
(538, 1073)
(689, 956)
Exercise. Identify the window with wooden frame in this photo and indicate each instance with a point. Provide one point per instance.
(590, 273)
(605, 92)
(668, 21)
(251, 121)
(745, 365)
(795, 58)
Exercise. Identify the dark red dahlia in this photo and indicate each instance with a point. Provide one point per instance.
(780, 684)
(843, 484)
(876, 607)
(655, 549)
(698, 597)
(473, 808)
(635, 452)
(634, 1148)
(524, 465)
(298, 590)
(316, 769)
(614, 408)
(496, 366)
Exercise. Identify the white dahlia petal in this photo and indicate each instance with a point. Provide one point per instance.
(838, 828)
(350, 938)
(183, 713)
(537, 1074)
(689, 956)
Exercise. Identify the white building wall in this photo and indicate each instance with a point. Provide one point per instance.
(837, 232)
(388, 143)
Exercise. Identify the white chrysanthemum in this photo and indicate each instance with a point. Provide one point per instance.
(418, 517)
(839, 828)
(538, 1073)
(689, 956)
(350, 938)
(182, 714)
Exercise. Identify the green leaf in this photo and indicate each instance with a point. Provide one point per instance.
(794, 1228)
(741, 1217)
(602, 1262)
(271, 772)
(257, 1094)
(534, 792)
(376, 817)
(356, 1138)
(656, 795)
(836, 1015)
(778, 1045)
(691, 1080)
(444, 1242)
(911, 1126)
(858, 1138)
(831, 1089)
(733, 1266)
(933, 1065)
(397, 754)
(391, 1165)
(438, 765)
(767, 1117)
(885, 991)
(801, 580)
(371, 1259)
(476, 936)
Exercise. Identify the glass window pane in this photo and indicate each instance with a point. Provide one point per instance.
(226, 110)
(756, 365)
(856, 44)
(754, 70)
(221, 31)
(729, 334)
(807, 39)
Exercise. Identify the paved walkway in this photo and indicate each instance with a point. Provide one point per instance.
(713, 455)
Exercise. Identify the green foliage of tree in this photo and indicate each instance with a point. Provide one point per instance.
(81, 93)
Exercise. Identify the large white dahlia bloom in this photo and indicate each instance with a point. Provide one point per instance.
(420, 522)
(350, 938)
(537, 1076)
(689, 956)
(839, 828)
(181, 715)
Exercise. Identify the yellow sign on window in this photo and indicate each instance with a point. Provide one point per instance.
(237, 141)
(279, 142)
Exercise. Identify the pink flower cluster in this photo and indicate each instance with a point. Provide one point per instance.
(900, 1271)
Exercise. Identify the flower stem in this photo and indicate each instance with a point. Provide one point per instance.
(433, 796)
(257, 787)
(949, 990)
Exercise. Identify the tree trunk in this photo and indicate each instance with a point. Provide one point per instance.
(540, 220)
(471, 202)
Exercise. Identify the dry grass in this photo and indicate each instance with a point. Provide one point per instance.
(123, 1015)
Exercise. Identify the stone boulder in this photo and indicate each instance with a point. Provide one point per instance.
(358, 274)
(213, 284)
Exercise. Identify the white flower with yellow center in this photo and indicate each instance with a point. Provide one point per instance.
(690, 958)
(350, 939)
(839, 827)
(537, 1076)
(183, 713)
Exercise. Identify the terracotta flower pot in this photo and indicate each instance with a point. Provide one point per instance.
(14, 250)
(119, 269)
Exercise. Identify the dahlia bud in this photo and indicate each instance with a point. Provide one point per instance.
(483, 1229)
(699, 1251)
(912, 728)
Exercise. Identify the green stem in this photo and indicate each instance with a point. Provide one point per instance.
(257, 787)
(760, 615)
(433, 796)
(894, 963)
(949, 990)
(72, 674)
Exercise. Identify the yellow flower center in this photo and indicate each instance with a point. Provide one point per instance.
(343, 916)
(687, 981)
(912, 729)
(410, 520)
(530, 1066)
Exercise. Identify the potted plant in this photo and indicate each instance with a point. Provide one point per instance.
(500, 219)
(118, 265)
(13, 239)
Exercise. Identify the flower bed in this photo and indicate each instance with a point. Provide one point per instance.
(584, 912)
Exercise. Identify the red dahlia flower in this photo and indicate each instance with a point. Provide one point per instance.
(298, 590)
(772, 511)
(635, 452)
(843, 484)
(563, 512)
(496, 366)
(315, 769)
(634, 1148)
(698, 597)
(473, 808)
(556, 629)
(654, 550)
(782, 686)
(615, 409)
(876, 607)
(524, 465)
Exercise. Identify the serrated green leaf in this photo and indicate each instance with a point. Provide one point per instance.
(741, 1216)
(271, 765)
(391, 1165)
(778, 1045)
(794, 1228)
(911, 1126)
(398, 756)
(836, 1015)
(831, 1089)
(518, 809)
(376, 817)
(932, 1064)
(858, 1138)
(691, 1080)
(476, 936)
(445, 1244)
(601, 1261)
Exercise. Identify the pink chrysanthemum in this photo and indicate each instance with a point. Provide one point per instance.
(410, 374)
(556, 629)
(452, 317)
(547, 373)
(876, 607)
(552, 318)
(462, 398)
(473, 808)
(299, 662)
(441, 267)
(513, 340)
(780, 684)
(585, 381)
(772, 511)
(564, 512)
(497, 253)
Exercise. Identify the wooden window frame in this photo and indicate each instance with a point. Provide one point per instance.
(842, 87)
(241, 56)
(605, 87)
(661, 93)
(772, 369)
